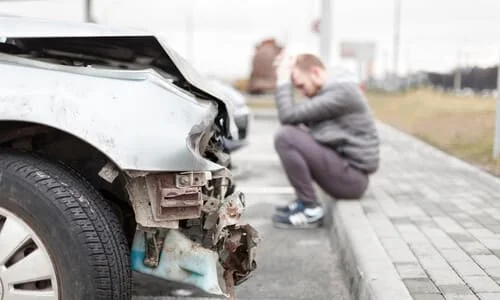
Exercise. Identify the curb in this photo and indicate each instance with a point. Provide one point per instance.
(370, 273)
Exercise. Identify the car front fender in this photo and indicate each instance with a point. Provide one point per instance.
(136, 118)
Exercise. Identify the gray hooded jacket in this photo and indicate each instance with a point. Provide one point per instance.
(338, 117)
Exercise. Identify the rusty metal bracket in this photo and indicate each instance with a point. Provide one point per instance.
(210, 204)
(229, 280)
(192, 179)
(238, 253)
(171, 203)
(154, 245)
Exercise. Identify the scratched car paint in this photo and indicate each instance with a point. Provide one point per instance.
(159, 128)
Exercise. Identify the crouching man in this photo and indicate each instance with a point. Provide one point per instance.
(329, 138)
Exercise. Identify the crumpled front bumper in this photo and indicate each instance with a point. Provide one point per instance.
(186, 261)
(186, 233)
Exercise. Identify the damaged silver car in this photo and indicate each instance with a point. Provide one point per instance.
(111, 166)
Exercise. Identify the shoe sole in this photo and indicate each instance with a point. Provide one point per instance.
(281, 213)
(302, 226)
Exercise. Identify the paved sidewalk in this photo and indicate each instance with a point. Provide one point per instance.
(428, 228)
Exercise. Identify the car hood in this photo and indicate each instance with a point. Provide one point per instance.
(34, 28)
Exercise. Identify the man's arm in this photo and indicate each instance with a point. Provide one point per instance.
(327, 105)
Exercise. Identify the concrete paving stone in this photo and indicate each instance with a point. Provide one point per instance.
(433, 262)
(435, 212)
(481, 284)
(449, 225)
(481, 232)
(444, 276)
(413, 210)
(456, 254)
(439, 238)
(455, 289)
(493, 211)
(467, 268)
(493, 273)
(410, 270)
(383, 227)
(461, 217)
(422, 218)
(425, 224)
(401, 255)
(445, 244)
(487, 261)
(420, 286)
(489, 296)
(491, 243)
(472, 224)
(400, 220)
(469, 208)
(493, 228)
(411, 234)
(488, 220)
(391, 242)
(460, 297)
(426, 249)
(495, 252)
(477, 213)
(450, 208)
(391, 208)
(474, 248)
(462, 237)
(427, 297)
(428, 205)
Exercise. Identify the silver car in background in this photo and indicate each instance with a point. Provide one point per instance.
(241, 114)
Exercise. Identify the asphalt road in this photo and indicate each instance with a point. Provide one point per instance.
(293, 264)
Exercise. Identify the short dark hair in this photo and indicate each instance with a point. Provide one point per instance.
(306, 61)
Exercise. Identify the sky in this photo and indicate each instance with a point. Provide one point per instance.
(436, 35)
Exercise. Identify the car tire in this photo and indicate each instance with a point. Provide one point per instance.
(71, 222)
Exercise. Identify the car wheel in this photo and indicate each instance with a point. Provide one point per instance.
(58, 238)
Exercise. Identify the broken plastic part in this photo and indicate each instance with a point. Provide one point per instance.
(181, 260)
(239, 251)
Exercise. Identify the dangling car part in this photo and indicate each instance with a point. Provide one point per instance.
(144, 183)
(241, 113)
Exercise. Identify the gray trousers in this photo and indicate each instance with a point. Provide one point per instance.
(305, 160)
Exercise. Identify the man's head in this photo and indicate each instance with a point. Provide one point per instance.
(308, 74)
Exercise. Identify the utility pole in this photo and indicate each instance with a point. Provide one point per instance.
(408, 69)
(496, 141)
(397, 27)
(190, 32)
(325, 32)
(457, 80)
(88, 12)
(386, 64)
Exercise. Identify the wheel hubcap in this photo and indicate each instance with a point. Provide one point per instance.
(26, 270)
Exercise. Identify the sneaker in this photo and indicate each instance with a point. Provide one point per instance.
(302, 217)
(290, 207)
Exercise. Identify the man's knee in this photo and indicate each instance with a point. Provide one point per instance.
(284, 136)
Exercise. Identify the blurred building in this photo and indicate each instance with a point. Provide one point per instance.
(263, 76)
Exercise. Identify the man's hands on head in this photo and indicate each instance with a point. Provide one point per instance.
(283, 66)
